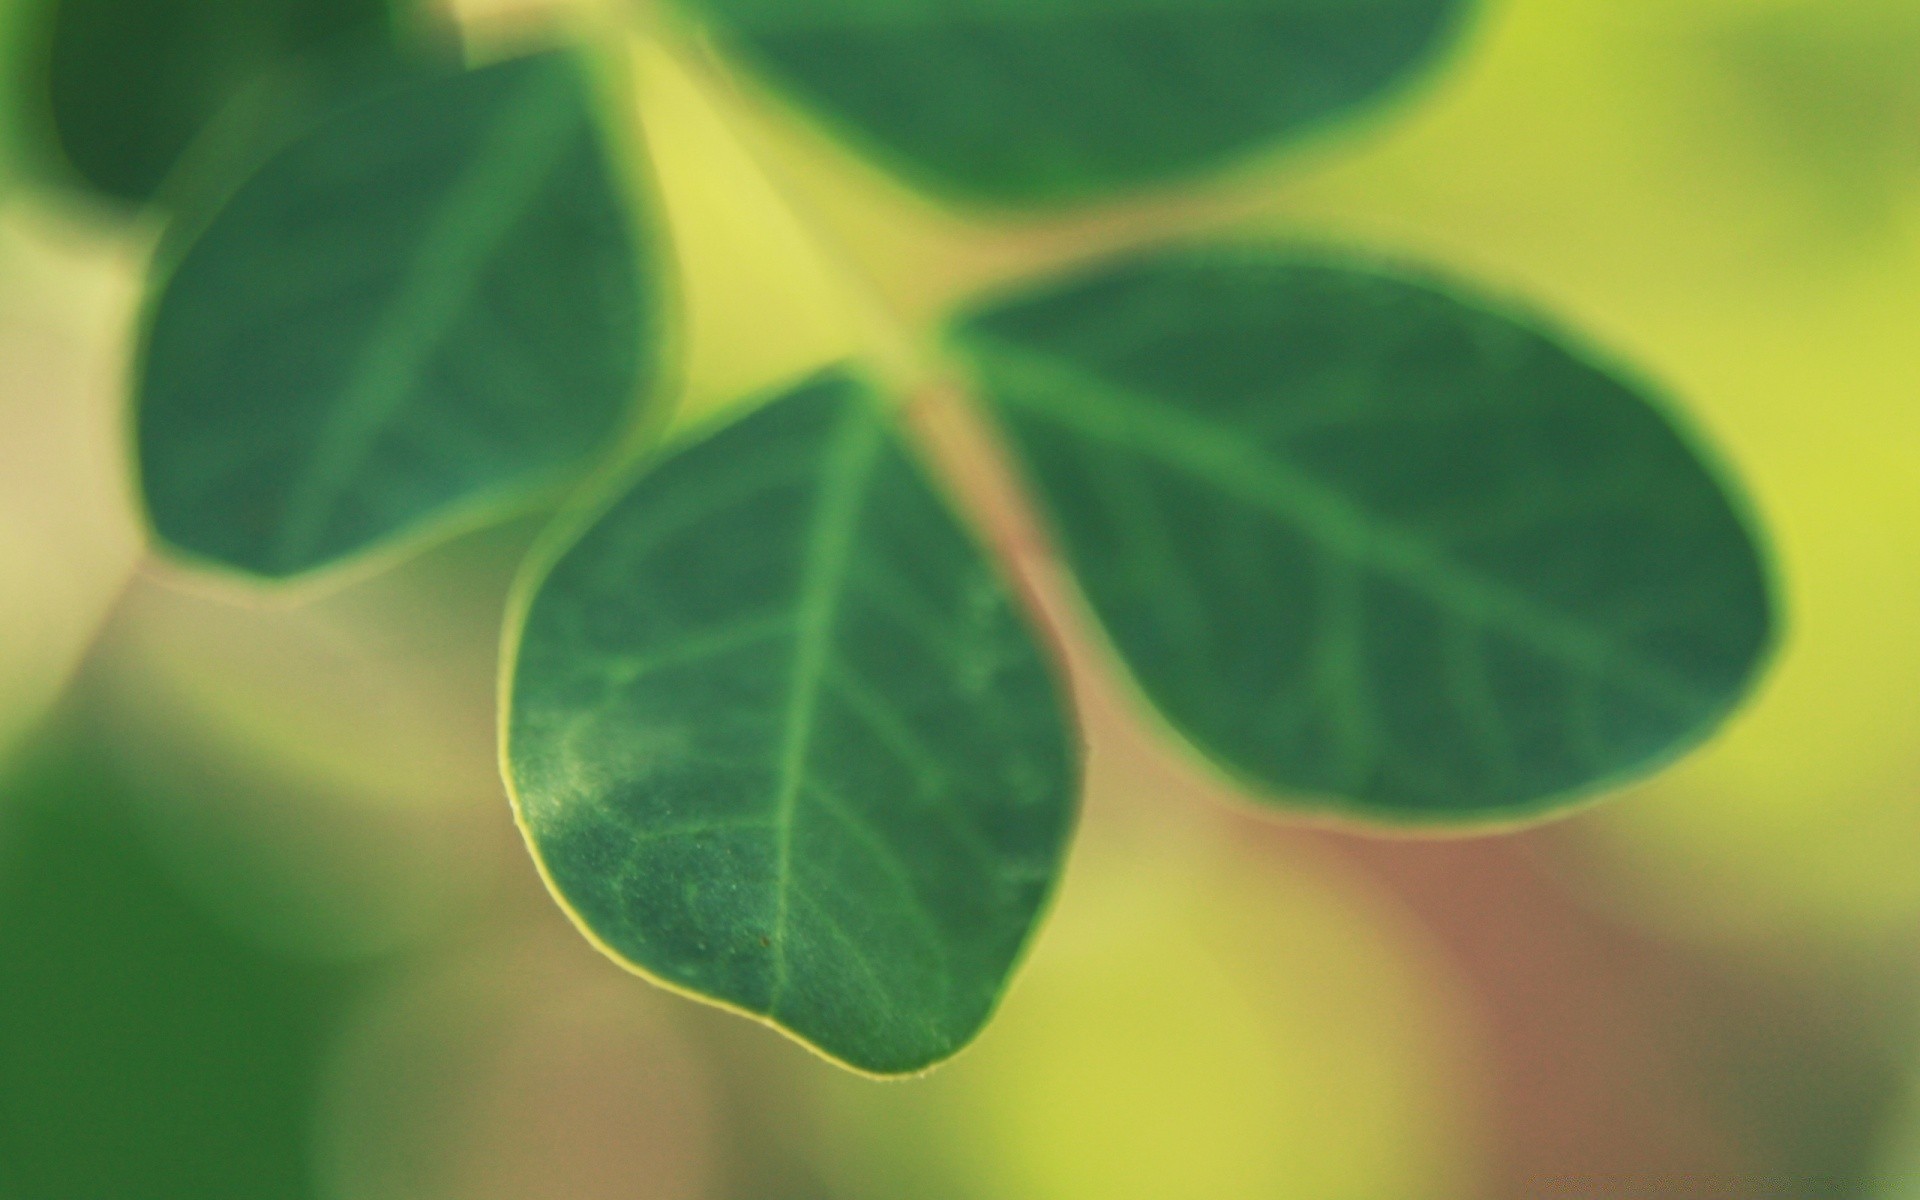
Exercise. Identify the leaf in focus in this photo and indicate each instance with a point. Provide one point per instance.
(1364, 542)
(1048, 101)
(127, 85)
(430, 305)
(782, 737)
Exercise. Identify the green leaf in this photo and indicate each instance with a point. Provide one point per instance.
(432, 304)
(129, 84)
(1359, 539)
(12, 65)
(781, 738)
(1036, 101)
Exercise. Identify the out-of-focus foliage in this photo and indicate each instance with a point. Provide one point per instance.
(1025, 101)
(144, 1049)
(429, 306)
(10, 63)
(120, 89)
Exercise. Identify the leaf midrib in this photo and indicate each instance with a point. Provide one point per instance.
(521, 151)
(846, 466)
(1230, 463)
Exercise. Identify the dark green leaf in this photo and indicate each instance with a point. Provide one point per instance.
(11, 89)
(431, 304)
(782, 738)
(129, 84)
(1357, 538)
(1021, 101)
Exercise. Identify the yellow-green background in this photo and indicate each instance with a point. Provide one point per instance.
(266, 928)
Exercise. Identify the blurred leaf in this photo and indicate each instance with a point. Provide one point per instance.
(1025, 101)
(782, 738)
(430, 305)
(144, 1051)
(11, 62)
(127, 85)
(1358, 539)
(1833, 95)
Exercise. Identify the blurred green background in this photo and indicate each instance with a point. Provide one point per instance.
(267, 930)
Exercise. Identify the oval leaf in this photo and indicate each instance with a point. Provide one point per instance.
(781, 737)
(1036, 101)
(128, 84)
(1357, 538)
(431, 303)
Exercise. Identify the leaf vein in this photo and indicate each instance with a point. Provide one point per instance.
(1072, 396)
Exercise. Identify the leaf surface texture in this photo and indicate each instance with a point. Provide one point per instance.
(1363, 541)
(781, 737)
